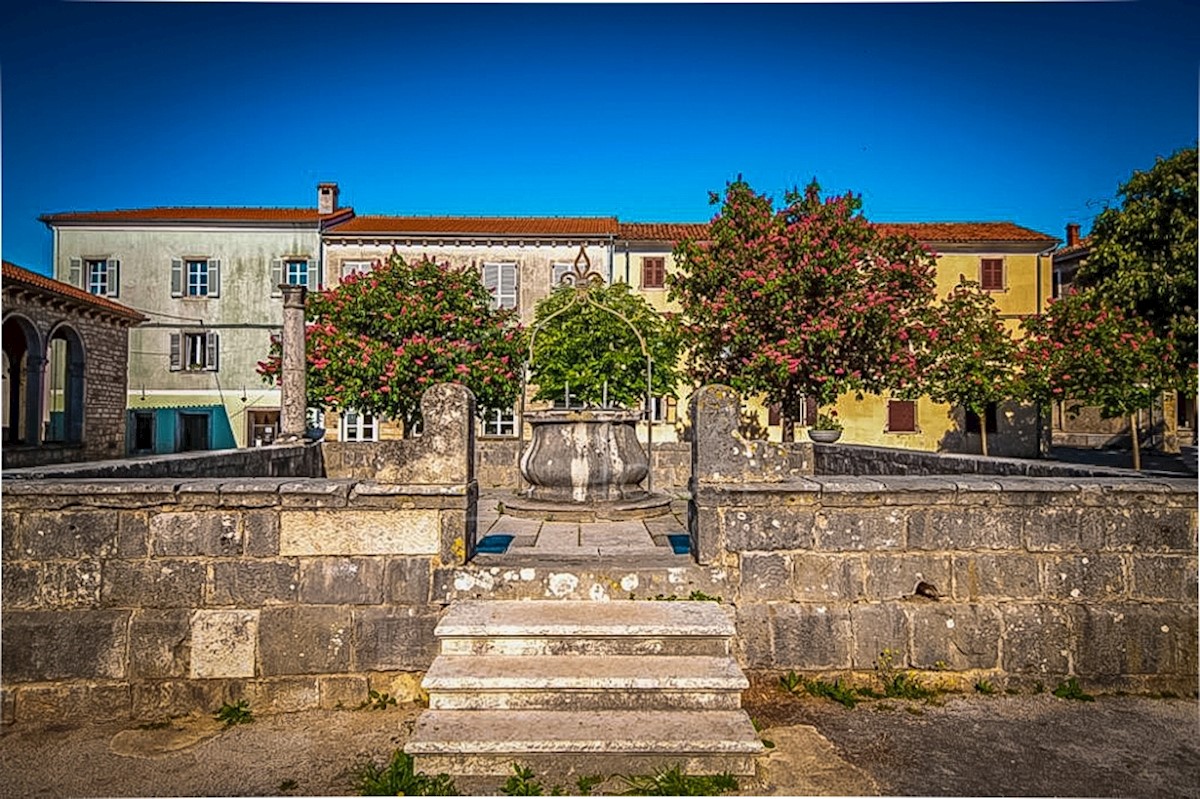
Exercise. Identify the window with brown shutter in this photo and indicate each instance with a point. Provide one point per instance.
(902, 416)
(654, 273)
(991, 274)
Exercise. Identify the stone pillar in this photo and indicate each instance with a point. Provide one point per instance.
(294, 388)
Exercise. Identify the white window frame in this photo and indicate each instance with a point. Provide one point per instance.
(347, 268)
(355, 426)
(661, 410)
(493, 281)
(296, 271)
(196, 277)
(557, 270)
(195, 351)
(282, 272)
(500, 423)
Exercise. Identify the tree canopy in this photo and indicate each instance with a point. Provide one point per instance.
(1143, 251)
(969, 354)
(809, 299)
(377, 341)
(594, 353)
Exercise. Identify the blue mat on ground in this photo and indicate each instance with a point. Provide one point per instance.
(494, 544)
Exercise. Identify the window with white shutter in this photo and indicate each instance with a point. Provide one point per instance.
(501, 282)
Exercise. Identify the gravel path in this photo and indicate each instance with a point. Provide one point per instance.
(957, 746)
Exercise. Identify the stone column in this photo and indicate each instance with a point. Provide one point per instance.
(294, 389)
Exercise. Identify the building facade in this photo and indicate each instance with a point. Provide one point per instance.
(64, 373)
(208, 280)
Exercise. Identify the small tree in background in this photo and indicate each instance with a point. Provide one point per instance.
(1143, 253)
(1087, 351)
(970, 354)
(375, 343)
(595, 354)
(809, 300)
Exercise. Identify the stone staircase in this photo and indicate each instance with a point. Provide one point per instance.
(571, 688)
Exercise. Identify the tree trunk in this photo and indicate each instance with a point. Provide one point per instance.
(789, 427)
(1137, 450)
(983, 433)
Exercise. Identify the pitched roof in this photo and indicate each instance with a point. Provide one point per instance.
(14, 274)
(479, 225)
(663, 231)
(1082, 247)
(964, 231)
(200, 214)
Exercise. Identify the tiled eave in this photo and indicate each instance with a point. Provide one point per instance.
(455, 240)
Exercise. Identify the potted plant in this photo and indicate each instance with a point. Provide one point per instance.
(827, 428)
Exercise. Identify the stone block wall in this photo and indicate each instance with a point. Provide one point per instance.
(279, 460)
(147, 599)
(1035, 578)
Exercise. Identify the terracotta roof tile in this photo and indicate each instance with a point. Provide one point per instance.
(214, 214)
(15, 274)
(664, 231)
(480, 225)
(1083, 246)
(964, 231)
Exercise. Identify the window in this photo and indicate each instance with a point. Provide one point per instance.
(355, 268)
(143, 432)
(972, 420)
(357, 426)
(663, 409)
(499, 422)
(99, 276)
(902, 416)
(195, 351)
(654, 273)
(991, 274)
(294, 271)
(557, 272)
(195, 277)
(775, 412)
(501, 281)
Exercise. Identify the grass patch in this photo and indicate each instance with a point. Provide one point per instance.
(237, 713)
(1071, 689)
(673, 782)
(397, 778)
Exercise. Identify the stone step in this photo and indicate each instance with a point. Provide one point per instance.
(556, 627)
(584, 682)
(487, 742)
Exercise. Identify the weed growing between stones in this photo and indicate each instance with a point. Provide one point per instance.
(377, 701)
(673, 782)
(695, 596)
(985, 687)
(397, 778)
(237, 713)
(899, 684)
(767, 744)
(1071, 689)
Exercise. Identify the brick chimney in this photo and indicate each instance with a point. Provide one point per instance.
(327, 198)
(1072, 231)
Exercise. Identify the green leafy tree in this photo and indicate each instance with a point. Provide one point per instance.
(591, 348)
(376, 342)
(1143, 255)
(808, 300)
(1087, 351)
(970, 354)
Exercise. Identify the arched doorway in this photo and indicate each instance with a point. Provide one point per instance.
(23, 381)
(63, 410)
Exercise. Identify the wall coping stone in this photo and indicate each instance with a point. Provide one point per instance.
(949, 483)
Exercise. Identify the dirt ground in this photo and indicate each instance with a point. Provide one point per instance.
(955, 746)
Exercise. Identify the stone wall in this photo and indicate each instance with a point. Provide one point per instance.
(280, 460)
(855, 459)
(1036, 578)
(151, 598)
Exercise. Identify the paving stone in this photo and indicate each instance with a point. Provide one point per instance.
(558, 535)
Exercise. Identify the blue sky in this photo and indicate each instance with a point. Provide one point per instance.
(1021, 111)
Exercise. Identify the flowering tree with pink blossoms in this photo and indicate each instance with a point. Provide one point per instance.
(379, 340)
(807, 300)
(1086, 351)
